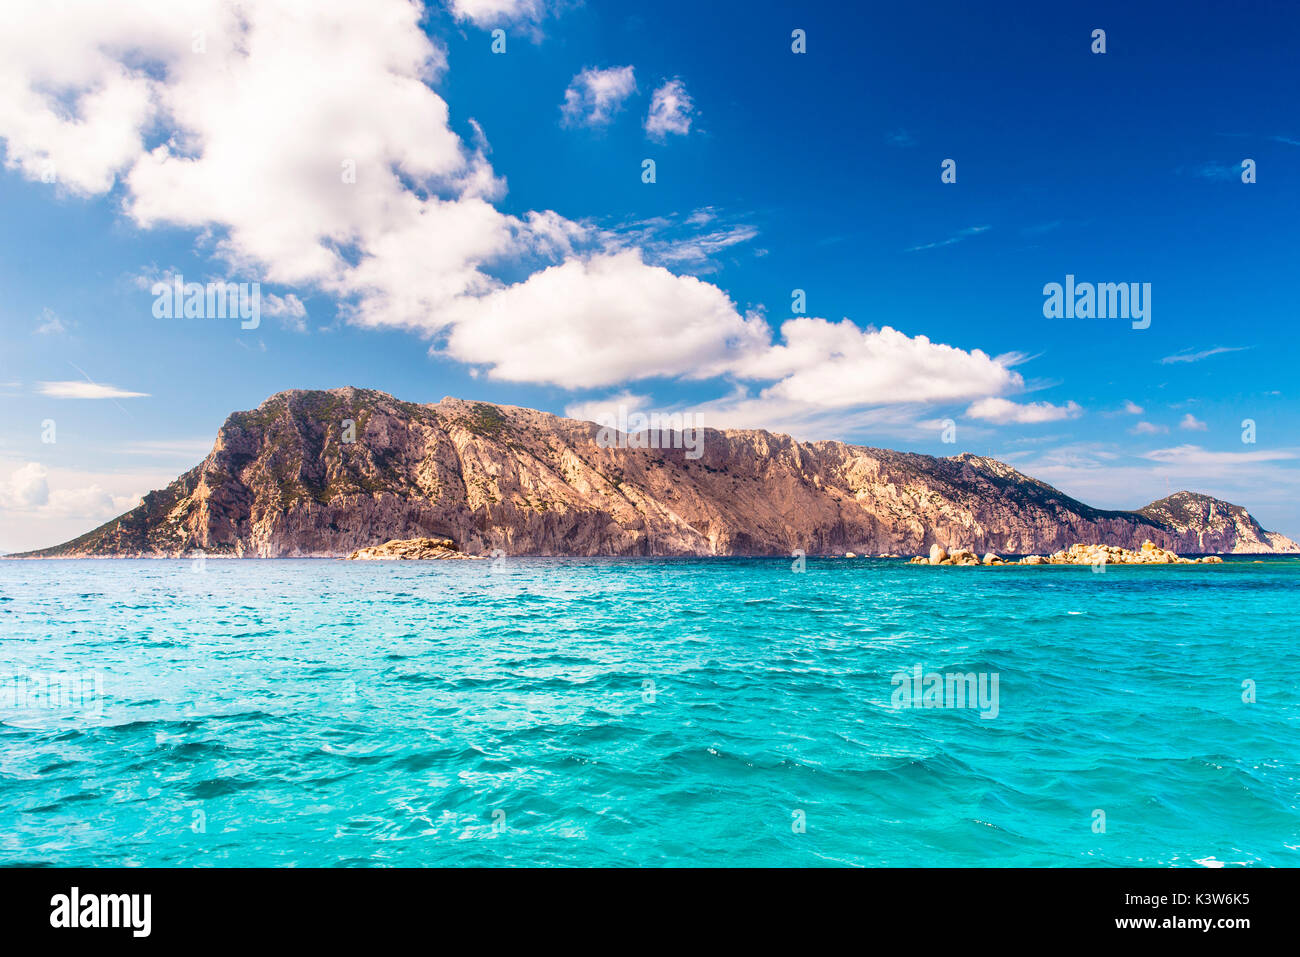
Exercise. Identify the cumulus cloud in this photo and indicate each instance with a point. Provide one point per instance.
(488, 13)
(603, 320)
(671, 110)
(75, 389)
(594, 96)
(388, 212)
(1004, 411)
(1132, 408)
(1192, 424)
(838, 364)
(289, 309)
(39, 507)
(28, 487)
(326, 199)
(594, 409)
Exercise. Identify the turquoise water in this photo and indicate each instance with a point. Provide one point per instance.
(334, 713)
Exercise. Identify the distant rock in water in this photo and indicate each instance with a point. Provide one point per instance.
(1148, 554)
(411, 549)
(325, 474)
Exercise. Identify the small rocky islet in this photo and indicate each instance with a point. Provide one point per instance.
(412, 549)
(1078, 554)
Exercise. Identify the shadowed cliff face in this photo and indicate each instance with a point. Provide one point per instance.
(284, 480)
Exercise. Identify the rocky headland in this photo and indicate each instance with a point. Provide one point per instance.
(330, 473)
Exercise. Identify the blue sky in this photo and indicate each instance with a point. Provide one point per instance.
(497, 246)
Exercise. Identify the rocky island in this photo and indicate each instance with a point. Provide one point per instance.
(332, 473)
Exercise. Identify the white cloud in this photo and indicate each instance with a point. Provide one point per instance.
(487, 13)
(671, 110)
(289, 309)
(1132, 408)
(839, 365)
(1148, 428)
(76, 389)
(1004, 411)
(593, 409)
(1195, 457)
(604, 320)
(28, 487)
(50, 324)
(1104, 476)
(28, 490)
(594, 96)
(83, 86)
(386, 210)
(41, 507)
(1192, 423)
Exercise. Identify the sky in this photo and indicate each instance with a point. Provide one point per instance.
(853, 222)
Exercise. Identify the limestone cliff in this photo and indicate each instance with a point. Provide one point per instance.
(315, 473)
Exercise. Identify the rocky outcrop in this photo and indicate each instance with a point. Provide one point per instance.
(326, 473)
(1077, 554)
(411, 549)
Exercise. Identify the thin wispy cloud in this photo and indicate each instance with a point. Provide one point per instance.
(955, 238)
(689, 242)
(1041, 228)
(72, 389)
(1198, 356)
(50, 324)
(1195, 456)
(167, 449)
(1217, 171)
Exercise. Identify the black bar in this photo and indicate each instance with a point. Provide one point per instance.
(943, 908)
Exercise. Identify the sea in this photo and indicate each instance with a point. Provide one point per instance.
(646, 712)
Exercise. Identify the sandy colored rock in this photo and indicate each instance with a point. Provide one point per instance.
(411, 549)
